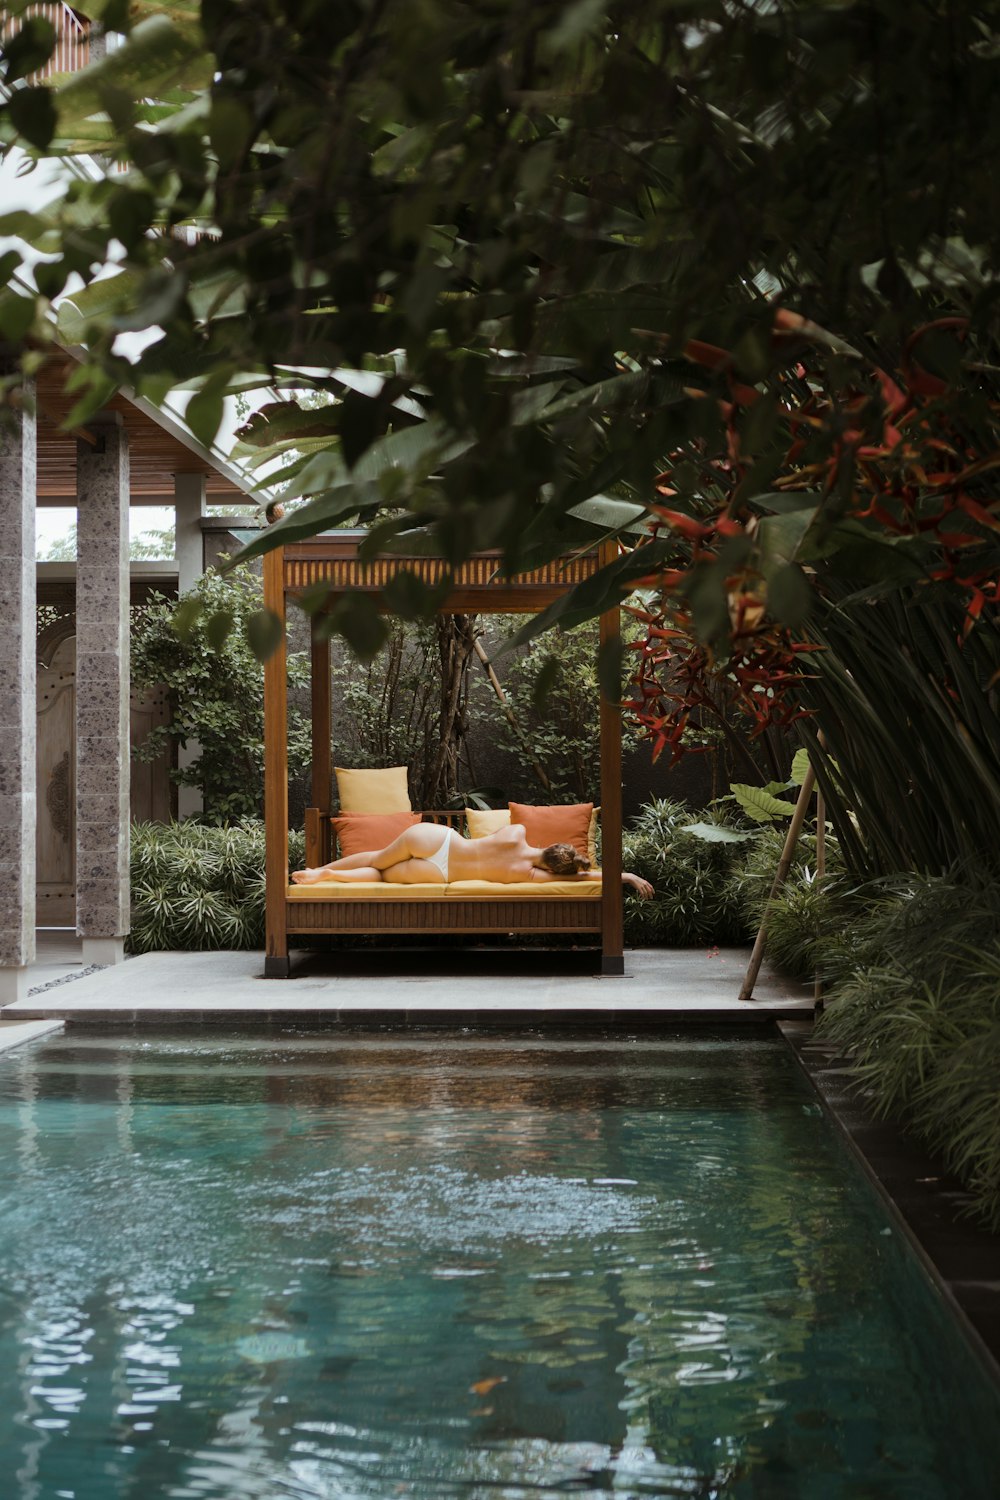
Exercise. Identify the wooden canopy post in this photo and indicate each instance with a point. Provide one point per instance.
(318, 814)
(276, 965)
(612, 916)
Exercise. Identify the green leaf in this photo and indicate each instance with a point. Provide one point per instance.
(715, 833)
(218, 628)
(29, 49)
(264, 633)
(158, 55)
(186, 617)
(800, 767)
(759, 804)
(545, 680)
(203, 413)
(779, 538)
(344, 500)
(356, 617)
(789, 597)
(603, 590)
(17, 314)
(33, 115)
(230, 130)
(98, 389)
(612, 515)
(577, 21)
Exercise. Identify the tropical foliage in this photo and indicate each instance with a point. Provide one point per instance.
(196, 887)
(911, 969)
(582, 249)
(670, 272)
(215, 687)
(409, 705)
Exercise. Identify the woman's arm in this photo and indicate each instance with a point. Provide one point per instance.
(640, 886)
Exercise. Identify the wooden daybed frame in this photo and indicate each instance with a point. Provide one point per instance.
(477, 586)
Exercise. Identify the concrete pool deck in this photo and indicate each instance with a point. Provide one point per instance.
(417, 987)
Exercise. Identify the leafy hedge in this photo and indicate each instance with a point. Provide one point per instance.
(912, 969)
(199, 887)
(711, 875)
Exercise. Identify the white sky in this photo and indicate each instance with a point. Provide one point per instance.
(52, 524)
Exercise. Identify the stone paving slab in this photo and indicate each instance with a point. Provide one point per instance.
(474, 987)
(13, 1033)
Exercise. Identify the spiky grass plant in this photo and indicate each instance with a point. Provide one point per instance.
(918, 1014)
(693, 899)
(197, 887)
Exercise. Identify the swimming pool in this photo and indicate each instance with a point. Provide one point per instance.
(302, 1267)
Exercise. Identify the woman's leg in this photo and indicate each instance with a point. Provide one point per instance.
(338, 871)
(404, 856)
(417, 842)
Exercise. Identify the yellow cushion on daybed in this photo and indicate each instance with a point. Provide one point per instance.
(485, 890)
(376, 791)
(481, 822)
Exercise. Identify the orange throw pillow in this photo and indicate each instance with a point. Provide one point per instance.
(554, 825)
(363, 833)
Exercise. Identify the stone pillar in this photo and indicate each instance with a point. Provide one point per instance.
(17, 703)
(102, 693)
(189, 507)
(189, 550)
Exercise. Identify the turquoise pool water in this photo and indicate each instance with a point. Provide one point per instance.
(299, 1268)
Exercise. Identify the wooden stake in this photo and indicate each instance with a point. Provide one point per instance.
(780, 876)
(820, 872)
(612, 914)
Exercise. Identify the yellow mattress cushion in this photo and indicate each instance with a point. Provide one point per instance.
(470, 890)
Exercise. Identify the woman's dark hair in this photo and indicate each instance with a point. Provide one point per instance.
(563, 859)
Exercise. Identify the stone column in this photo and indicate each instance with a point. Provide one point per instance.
(17, 703)
(189, 550)
(189, 507)
(102, 693)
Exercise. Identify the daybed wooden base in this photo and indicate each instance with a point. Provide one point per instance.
(466, 907)
(444, 913)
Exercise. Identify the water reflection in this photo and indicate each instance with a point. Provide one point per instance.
(432, 1267)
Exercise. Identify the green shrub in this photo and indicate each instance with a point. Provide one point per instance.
(916, 1007)
(198, 887)
(694, 897)
(216, 690)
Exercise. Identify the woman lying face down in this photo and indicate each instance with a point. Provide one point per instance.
(428, 854)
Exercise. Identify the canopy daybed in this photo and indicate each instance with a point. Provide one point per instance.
(589, 909)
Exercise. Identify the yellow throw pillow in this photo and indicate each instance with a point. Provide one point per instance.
(482, 821)
(382, 791)
(592, 837)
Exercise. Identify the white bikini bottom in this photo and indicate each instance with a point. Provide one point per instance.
(440, 855)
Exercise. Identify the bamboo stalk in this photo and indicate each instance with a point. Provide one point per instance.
(820, 872)
(780, 876)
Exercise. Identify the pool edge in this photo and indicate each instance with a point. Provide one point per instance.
(847, 1112)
